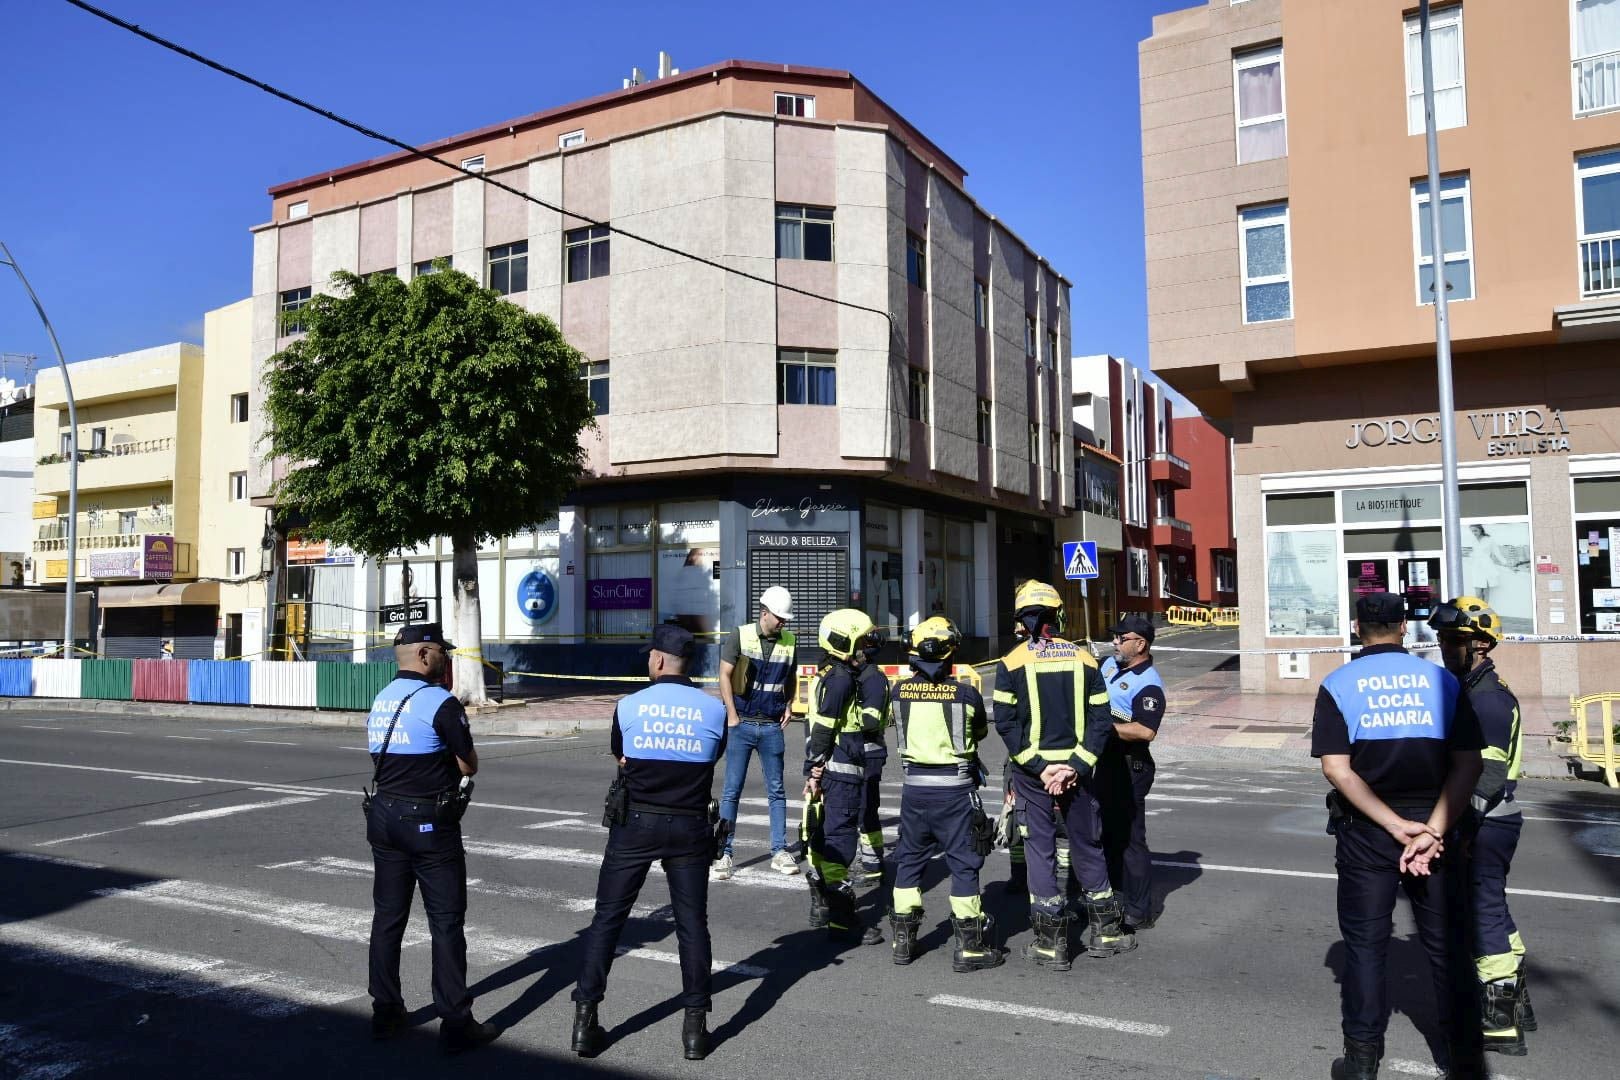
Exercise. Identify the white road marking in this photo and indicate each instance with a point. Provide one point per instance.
(40, 727)
(227, 811)
(1584, 897)
(168, 779)
(1418, 1068)
(363, 749)
(1004, 1008)
(499, 742)
(103, 731)
(1190, 798)
(1574, 820)
(190, 738)
(792, 804)
(34, 1056)
(53, 860)
(81, 836)
(767, 879)
(293, 788)
(258, 991)
(267, 742)
(568, 823)
(311, 792)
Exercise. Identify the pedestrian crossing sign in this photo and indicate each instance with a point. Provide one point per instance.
(1080, 560)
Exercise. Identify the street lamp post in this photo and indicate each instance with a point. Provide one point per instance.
(73, 458)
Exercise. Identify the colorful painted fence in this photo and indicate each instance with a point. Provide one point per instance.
(280, 683)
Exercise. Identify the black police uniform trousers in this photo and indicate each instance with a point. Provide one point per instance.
(1368, 861)
(1078, 809)
(1123, 782)
(937, 819)
(684, 846)
(410, 848)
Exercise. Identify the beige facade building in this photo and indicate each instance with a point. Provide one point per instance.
(906, 452)
(1290, 286)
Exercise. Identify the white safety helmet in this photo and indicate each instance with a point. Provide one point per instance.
(778, 601)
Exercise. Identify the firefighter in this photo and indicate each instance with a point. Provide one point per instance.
(875, 715)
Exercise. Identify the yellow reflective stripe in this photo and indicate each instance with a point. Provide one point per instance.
(1099, 699)
(874, 840)
(1516, 943)
(1492, 753)
(1032, 688)
(1086, 756)
(833, 873)
(1499, 966)
(906, 900)
(963, 907)
(1106, 894)
(1516, 762)
(1004, 697)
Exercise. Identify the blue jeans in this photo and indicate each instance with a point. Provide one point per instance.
(767, 741)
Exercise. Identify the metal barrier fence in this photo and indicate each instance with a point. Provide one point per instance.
(1188, 615)
(1596, 747)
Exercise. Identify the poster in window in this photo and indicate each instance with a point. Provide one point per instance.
(1302, 589)
(1608, 622)
(531, 597)
(688, 590)
(1497, 569)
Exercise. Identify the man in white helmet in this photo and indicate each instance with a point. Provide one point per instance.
(758, 683)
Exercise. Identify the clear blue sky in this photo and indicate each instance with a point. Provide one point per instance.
(132, 175)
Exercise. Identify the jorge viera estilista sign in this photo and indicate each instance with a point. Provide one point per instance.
(1505, 432)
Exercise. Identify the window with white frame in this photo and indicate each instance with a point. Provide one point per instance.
(1029, 336)
(238, 486)
(917, 403)
(239, 408)
(570, 139)
(430, 266)
(1597, 531)
(806, 377)
(291, 301)
(1136, 572)
(1446, 48)
(586, 253)
(804, 232)
(1456, 234)
(981, 304)
(1225, 573)
(509, 267)
(1597, 218)
(1596, 74)
(1034, 443)
(473, 164)
(1267, 271)
(795, 105)
(1257, 88)
(594, 373)
(298, 210)
(986, 421)
(916, 260)
(235, 562)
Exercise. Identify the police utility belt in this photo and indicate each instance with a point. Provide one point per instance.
(617, 807)
(448, 806)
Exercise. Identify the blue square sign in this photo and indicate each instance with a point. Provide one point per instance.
(1080, 560)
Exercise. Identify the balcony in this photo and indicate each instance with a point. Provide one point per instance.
(1596, 83)
(1170, 469)
(147, 463)
(116, 550)
(1169, 532)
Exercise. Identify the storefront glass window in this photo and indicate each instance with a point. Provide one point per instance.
(1597, 553)
(619, 571)
(688, 565)
(1302, 590)
(881, 579)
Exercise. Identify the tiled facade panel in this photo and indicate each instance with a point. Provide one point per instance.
(430, 224)
(379, 236)
(953, 375)
(868, 241)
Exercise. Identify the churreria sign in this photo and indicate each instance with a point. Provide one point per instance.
(1505, 432)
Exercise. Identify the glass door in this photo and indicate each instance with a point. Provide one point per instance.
(1414, 578)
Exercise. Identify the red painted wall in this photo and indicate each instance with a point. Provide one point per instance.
(1207, 504)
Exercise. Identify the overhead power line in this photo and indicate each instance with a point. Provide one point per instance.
(418, 152)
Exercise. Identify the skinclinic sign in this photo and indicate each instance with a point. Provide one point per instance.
(619, 594)
(1505, 432)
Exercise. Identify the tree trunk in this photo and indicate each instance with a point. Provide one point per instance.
(467, 632)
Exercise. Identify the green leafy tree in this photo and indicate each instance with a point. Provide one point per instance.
(430, 409)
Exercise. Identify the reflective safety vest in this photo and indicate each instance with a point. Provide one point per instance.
(841, 731)
(1490, 697)
(875, 712)
(1049, 686)
(759, 681)
(938, 726)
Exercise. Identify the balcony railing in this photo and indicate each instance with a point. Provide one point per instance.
(117, 449)
(1173, 523)
(1597, 83)
(103, 531)
(1172, 459)
(1600, 264)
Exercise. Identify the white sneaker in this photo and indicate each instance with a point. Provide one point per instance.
(784, 862)
(721, 870)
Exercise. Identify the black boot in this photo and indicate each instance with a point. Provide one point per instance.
(1361, 1060)
(842, 919)
(695, 1035)
(975, 945)
(589, 1037)
(818, 900)
(905, 935)
(1107, 937)
(1527, 1015)
(456, 1036)
(1050, 949)
(387, 1020)
(1499, 1017)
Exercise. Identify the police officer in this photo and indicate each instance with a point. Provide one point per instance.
(875, 712)
(939, 724)
(1400, 745)
(758, 683)
(667, 739)
(835, 771)
(1468, 630)
(421, 748)
(1051, 709)
(1125, 773)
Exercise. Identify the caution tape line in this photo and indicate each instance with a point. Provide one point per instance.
(599, 678)
(1511, 639)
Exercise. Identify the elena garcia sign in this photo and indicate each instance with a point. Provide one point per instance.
(1505, 432)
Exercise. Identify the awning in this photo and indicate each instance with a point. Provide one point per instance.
(192, 592)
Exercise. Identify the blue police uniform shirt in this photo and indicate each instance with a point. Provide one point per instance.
(1399, 717)
(670, 735)
(431, 733)
(1135, 694)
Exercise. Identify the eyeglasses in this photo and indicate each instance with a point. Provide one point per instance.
(1127, 637)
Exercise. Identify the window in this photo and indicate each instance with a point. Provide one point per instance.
(1597, 56)
(239, 408)
(795, 105)
(291, 301)
(430, 266)
(236, 562)
(917, 402)
(473, 164)
(984, 421)
(1257, 84)
(1034, 443)
(1101, 494)
(916, 260)
(981, 305)
(1446, 45)
(595, 374)
(1054, 460)
(805, 377)
(509, 268)
(1457, 235)
(804, 232)
(67, 443)
(1051, 350)
(1225, 573)
(586, 252)
(385, 272)
(297, 210)
(1136, 572)
(98, 440)
(1267, 292)
(570, 139)
(1598, 217)
(238, 486)
(1029, 336)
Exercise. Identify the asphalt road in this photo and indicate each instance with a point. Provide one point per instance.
(189, 898)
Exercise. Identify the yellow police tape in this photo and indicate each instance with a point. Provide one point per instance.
(1190, 615)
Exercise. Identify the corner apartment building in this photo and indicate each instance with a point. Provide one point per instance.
(16, 480)
(1290, 288)
(907, 453)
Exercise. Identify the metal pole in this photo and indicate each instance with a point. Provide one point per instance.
(1442, 328)
(73, 458)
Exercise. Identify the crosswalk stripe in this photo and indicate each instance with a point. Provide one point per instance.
(258, 991)
(1129, 1027)
(227, 811)
(768, 879)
